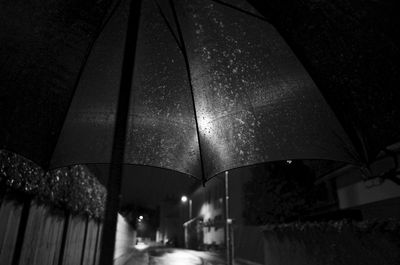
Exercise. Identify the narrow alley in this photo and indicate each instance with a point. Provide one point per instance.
(173, 256)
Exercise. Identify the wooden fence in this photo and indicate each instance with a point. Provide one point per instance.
(34, 234)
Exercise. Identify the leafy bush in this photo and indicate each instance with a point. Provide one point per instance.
(368, 226)
(73, 188)
(370, 242)
(279, 192)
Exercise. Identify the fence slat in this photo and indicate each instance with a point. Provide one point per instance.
(47, 250)
(10, 215)
(57, 238)
(74, 244)
(98, 246)
(90, 243)
(33, 235)
(41, 240)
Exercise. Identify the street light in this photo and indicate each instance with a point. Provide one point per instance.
(184, 199)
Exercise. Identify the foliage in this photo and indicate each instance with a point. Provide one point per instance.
(368, 242)
(278, 192)
(368, 226)
(73, 188)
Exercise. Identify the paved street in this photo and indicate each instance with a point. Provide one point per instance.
(171, 256)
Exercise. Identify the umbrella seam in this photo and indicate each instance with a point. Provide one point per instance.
(185, 56)
(240, 10)
(168, 25)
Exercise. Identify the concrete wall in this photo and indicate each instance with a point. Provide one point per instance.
(208, 203)
(208, 206)
(125, 238)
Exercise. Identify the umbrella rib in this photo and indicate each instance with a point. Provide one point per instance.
(168, 25)
(185, 56)
(240, 10)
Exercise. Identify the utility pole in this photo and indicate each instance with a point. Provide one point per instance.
(190, 209)
(228, 221)
(186, 224)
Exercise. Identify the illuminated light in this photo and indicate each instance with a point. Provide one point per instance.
(207, 131)
(204, 123)
(184, 198)
(141, 217)
(289, 161)
(141, 246)
(180, 258)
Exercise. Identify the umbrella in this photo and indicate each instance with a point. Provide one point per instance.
(205, 87)
(254, 101)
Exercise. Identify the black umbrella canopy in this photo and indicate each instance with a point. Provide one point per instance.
(148, 186)
(43, 48)
(352, 51)
(214, 88)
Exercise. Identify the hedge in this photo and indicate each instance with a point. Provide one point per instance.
(73, 188)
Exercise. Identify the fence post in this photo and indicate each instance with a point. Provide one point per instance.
(96, 249)
(64, 237)
(84, 240)
(22, 227)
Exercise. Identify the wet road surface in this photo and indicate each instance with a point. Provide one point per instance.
(170, 256)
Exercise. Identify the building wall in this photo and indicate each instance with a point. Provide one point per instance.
(374, 196)
(208, 204)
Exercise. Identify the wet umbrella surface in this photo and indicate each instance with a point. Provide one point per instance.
(213, 89)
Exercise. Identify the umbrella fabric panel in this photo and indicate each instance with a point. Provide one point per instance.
(351, 48)
(161, 126)
(43, 45)
(88, 130)
(254, 100)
